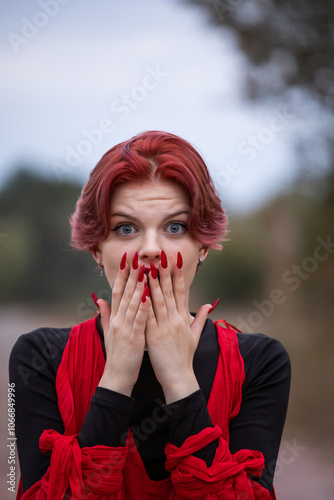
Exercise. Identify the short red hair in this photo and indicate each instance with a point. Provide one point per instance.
(149, 156)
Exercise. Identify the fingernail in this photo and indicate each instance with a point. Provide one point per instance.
(95, 299)
(135, 261)
(179, 261)
(164, 263)
(123, 262)
(141, 274)
(146, 294)
(154, 273)
(213, 306)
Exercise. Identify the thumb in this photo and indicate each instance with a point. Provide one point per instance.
(200, 318)
(104, 310)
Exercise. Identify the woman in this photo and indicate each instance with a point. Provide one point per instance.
(147, 400)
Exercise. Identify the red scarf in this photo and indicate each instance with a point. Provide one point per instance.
(105, 473)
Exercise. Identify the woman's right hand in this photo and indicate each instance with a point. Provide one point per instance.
(124, 329)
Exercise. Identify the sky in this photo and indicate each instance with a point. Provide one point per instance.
(80, 76)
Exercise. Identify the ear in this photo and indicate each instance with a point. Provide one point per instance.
(203, 252)
(97, 256)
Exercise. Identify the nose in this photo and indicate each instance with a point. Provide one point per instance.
(150, 249)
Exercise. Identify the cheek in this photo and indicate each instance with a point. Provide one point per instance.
(189, 274)
(111, 267)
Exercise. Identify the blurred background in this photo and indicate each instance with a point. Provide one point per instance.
(251, 85)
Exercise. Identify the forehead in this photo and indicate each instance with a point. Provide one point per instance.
(149, 192)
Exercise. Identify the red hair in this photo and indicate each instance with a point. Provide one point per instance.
(149, 156)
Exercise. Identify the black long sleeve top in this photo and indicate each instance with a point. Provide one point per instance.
(33, 366)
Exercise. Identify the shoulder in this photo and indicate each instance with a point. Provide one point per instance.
(264, 358)
(257, 346)
(39, 350)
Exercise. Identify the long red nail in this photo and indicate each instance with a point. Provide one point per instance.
(135, 261)
(179, 261)
(141, 274)
(154, 273)
(164, 263)
(95, 299)
(146, 294)
(123, 262)
(213, 306)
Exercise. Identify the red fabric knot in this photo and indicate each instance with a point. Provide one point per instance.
(228, 473)
(190, 446)
(65, 465)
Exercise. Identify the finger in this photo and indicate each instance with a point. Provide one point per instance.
(123, 297)
(139, 324)
(151, 320)
(157, 298)
(119, 285)
(179, 288)
(135, 302)
(166, 284)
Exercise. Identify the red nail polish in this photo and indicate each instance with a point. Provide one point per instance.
(141, 274)
(213, 306)
(135, 262)
(179, 261)
(146, 294)
(123, 262)
(95, 299)
(164, 263)
(154, 273)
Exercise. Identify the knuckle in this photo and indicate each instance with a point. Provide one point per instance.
(169, 293)
(116, 293)
(115, 324)
(127, 295)
(180, 290)
(151, 316)
(132, 307)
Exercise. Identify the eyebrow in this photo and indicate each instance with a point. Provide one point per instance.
(131, 217)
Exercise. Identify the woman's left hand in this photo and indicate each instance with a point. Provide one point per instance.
(171, 337)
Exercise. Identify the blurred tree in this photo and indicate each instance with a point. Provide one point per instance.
(288, 43)
(289, 47)
(37, 261)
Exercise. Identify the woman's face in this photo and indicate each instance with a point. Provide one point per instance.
(147, 217)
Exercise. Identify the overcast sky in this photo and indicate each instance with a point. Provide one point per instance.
(81, 76)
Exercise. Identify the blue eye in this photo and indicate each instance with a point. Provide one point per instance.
(124, 229)
(176, 228)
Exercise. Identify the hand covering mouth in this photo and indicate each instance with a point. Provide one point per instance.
(147, 270)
